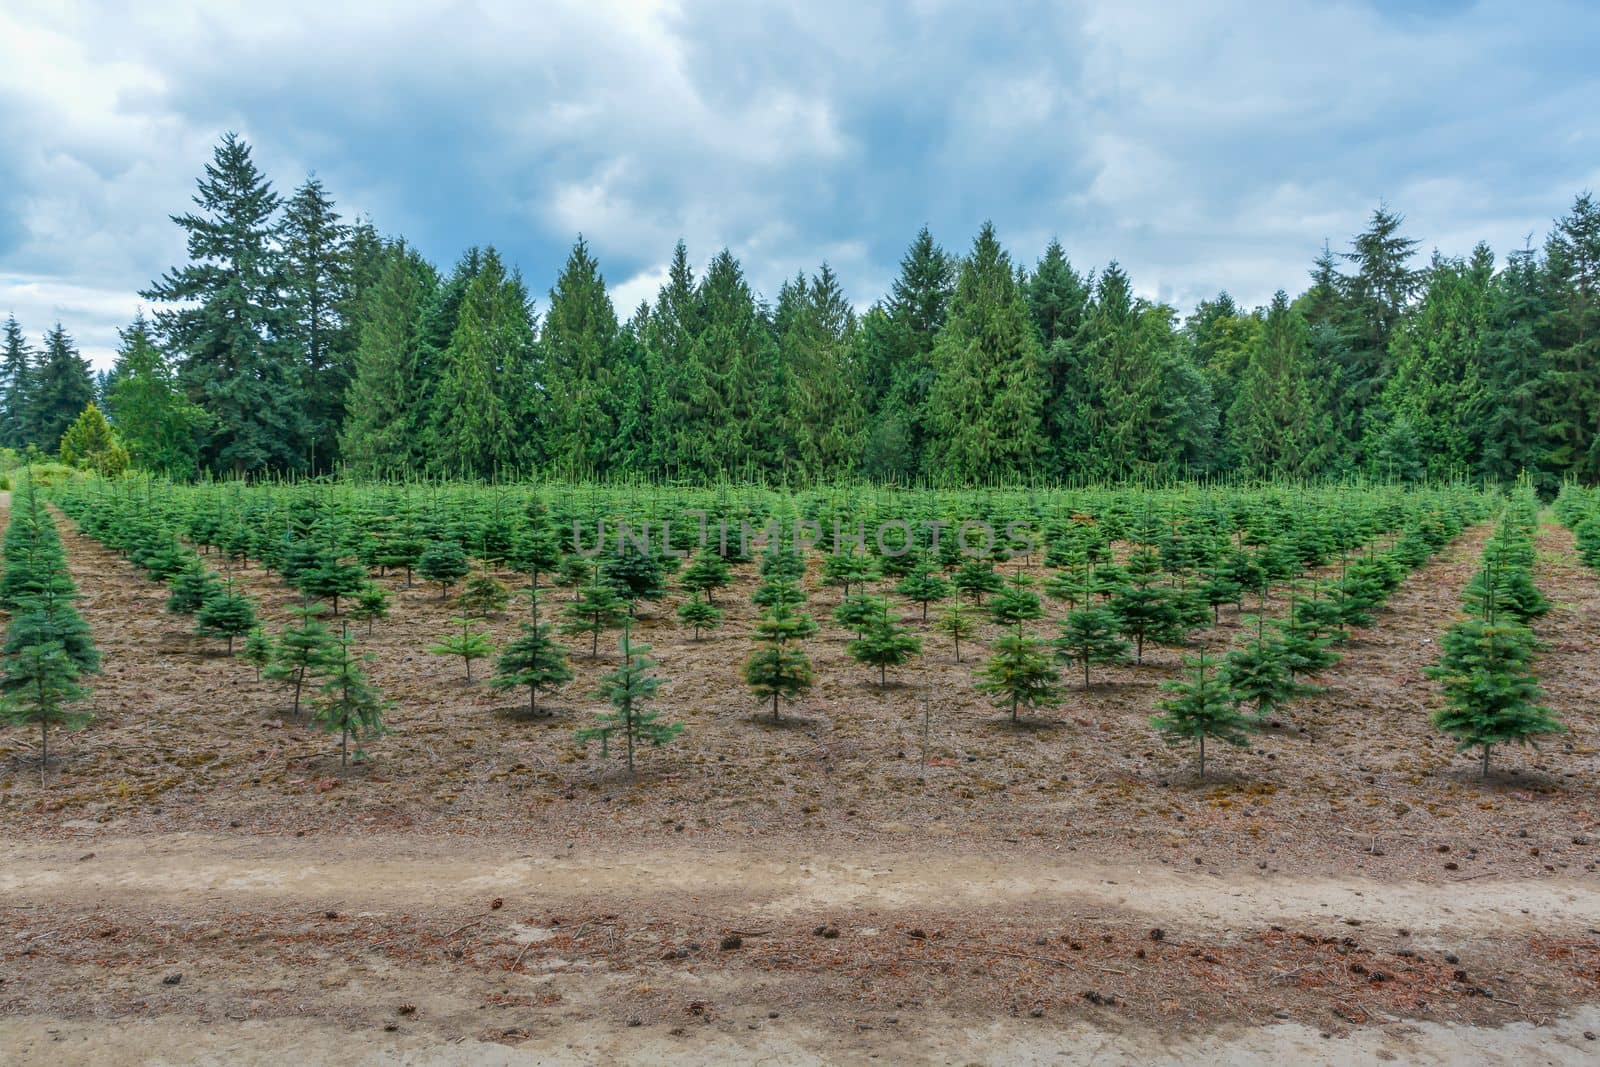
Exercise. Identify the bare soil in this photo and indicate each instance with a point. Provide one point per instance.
(200, 881)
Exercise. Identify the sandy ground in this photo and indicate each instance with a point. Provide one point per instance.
(201, 883)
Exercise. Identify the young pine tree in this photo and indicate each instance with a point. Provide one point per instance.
(371, 604)
(444, 563)
(470, 644)
(700, 614)
(258, 650)
(708, 573)
(958, 621)
(597, 609)
(1200, 708)
(779, 669)
(1020, 674)
(1016, 602)
(629, 688)
(226, 613)
(533, 659)
(39, 687)
(348, 704)
(302, 652)
(483, 595)
(1089, 636)
(924, 586)
(884, 644)
(1492, 694)
(191, 587)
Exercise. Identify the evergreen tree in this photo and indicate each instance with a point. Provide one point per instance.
(824, 412)
(924, 586)
(90, 444)
(483, 595)
(348, 703)
(1016, 602)
(16, 388)
(884, 644)
(896, 341)
(259, 650)
(190, 588)
(224, 319)
(226, 613)
(1199, 708)
(1572, 255)
(387, 402)
(483, 413)
(1375, 298)
(628, 687)
(957, 620)
(61, 386)
(442, 562)
(301, 651)
(1492, 694)
(155, 421)
(587, 380)
(534, 659)
(708, 573)
(597, 608)
(1276, 425)
(1517, 377)
(317, 285)
(700, 614)
(1089, 636)
(1019, 673)
(779, 669)
(370, 603)
(984, 404)
(470, 644)
(39, 687)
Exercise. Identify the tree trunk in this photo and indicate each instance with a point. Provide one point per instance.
(44, 750)
(533, 700)
(775, 715)
(883, 676)
(1202, 755)
(1086, 672)
(344, 747)
(1486, 761)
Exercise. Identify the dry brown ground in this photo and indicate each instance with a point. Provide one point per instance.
(1347, 870)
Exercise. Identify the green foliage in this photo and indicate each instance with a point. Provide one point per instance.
(924, 586)
(700, 614)
(470, 644)
(1089, 636)
(444, 563)
(1016, 602)
(483, 595)
(779, 668)
(884, 644)
(708, 573)
(348, 704)
(533, 659)
(1492, 695)
(597, 609)
(90, 444)
(957, 621)
(301, 651)
(1200, 708)
(226, 613)
(370, 603)
(629, 687)
(1020, 674)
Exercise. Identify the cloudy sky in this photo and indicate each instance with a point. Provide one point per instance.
(1205, 145)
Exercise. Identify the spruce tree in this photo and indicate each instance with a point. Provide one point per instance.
(39, 687)
(845, 569)
(258, 650)
(317, 283)
(1019, 673)
(708, 573)
(858, 612)
(924, 586)
(89, 443)
(16, 388)
(190, 588)
(779, 668)
(370, 603)
(385, 408)
(1492, 694)
(957, 621)
(629, 687)
(442, 562)
(61, 386)
(348, 703)
(884, 644)
(301, 651)
(533, 659)
(586, 380)
(226, 613)
(1089, 636)
(984, 404)
(1276, 425)
(470, 644)
(1200, 708)
(1016, 602)
(222, 316)
(483, 595)
(597, 609)
(156, 423)
(700, 614)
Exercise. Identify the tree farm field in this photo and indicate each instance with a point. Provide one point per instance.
(886, 853)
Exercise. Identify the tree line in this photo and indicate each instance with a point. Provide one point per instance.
(293, 341)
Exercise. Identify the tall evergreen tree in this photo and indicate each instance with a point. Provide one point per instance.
(1376, 296)
(588, 384)
(16, 387)
(156, 422)
(896, 341)
(1276, 425)
(984, 404)
(225, 322)
(824, 411)
(1516, 377)
(62, 385)
(1572, 255)
(316, 284)
(483, 410)
(382, 429)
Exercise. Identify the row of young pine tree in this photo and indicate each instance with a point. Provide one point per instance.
(293, 341)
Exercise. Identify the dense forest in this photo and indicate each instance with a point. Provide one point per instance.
(295, 341)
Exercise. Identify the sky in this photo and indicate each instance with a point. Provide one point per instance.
(1203, 145)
